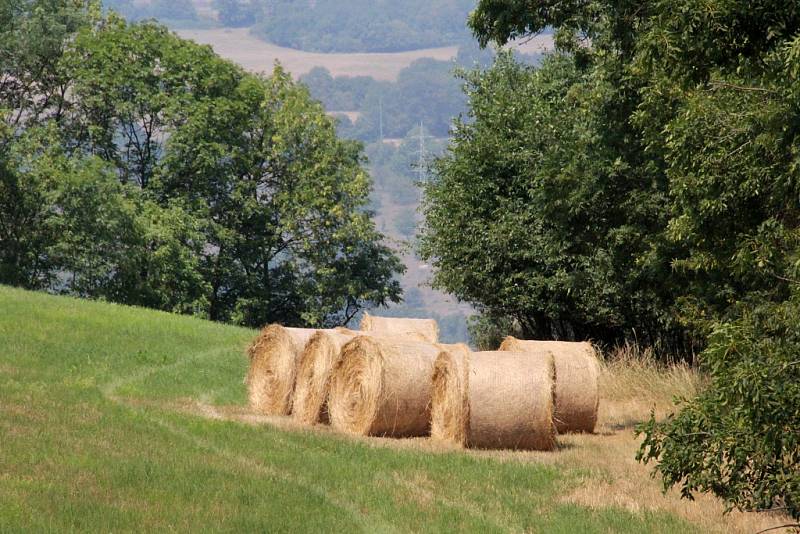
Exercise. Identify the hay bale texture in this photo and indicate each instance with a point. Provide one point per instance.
(382, 387)
(449, 400)
(315, 366)
(274, 356)
(577, 387)
(506, 402)
(427, 328)
(314, 373)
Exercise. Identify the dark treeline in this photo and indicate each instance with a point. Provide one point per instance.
(180, 13)
(360, 25)
(140, 168)
(427, 92)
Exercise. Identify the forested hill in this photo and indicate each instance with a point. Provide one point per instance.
(357, 25)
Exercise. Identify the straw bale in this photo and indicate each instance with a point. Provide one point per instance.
(273, 366)
(400, 325)
(449, 403)
(381, 386)
(317, 360)
(577, 386)
(510, 401)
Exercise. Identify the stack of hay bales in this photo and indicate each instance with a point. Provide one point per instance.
(381, 387)
(394, 379)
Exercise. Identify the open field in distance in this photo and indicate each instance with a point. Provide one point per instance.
(256, 55)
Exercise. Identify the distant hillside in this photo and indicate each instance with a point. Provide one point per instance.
(358, 25)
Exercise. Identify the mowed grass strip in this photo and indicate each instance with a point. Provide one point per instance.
(90, 440)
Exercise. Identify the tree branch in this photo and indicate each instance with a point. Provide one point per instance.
(789, 525)
(743, 87)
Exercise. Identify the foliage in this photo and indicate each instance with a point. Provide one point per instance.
(152, 172)
(236, 13)
(362, 25)
(746, 452)
(487, 332)
(68, 224)
(532, 215)
(427, 91)
(176, 12)
(696, 103)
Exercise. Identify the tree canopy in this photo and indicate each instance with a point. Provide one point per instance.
(141, 168)
(642, 185)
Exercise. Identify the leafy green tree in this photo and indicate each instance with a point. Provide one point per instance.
(67, 224)
(706, 102)
(285, 199)
(533, 213)
(169, 178)
(132, 83)
(33, 38)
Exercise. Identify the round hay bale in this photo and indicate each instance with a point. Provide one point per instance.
(273, 367)
(427, 328)
(382, 387)
(315, 365)
(314, 373)
(510, 398)
(449, 402)
(577, 386)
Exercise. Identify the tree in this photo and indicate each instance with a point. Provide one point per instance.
(362, 25)
(543, 210)
(68, 225)
(161, 175)
(33, 38)
(236, 13)
(133, 83)
(289, 236)
(739, 438)
(705, 108)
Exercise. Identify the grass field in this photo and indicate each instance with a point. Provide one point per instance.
(255, 55)
(122, 419)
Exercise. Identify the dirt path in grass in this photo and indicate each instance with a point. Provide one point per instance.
(366, 523)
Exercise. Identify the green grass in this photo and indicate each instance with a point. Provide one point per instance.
(89, 442)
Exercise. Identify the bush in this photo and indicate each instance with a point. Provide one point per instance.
(739, 439)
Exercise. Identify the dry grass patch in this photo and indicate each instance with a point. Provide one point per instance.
(632, 385)
(256, 55)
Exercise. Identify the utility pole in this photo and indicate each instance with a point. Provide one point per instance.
(422, 164)
(380, 113)
(422, 169)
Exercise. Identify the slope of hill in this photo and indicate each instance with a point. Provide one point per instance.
(123, 419)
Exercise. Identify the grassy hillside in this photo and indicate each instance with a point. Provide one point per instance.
(116, 418)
